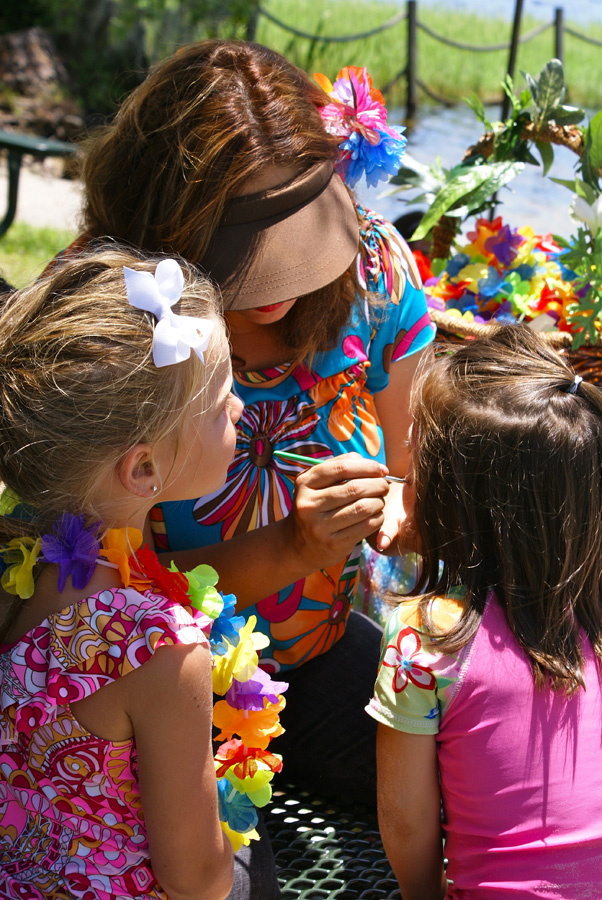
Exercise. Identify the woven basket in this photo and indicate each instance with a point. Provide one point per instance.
(587, 360)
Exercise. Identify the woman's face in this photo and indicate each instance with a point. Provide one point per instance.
(258, 315)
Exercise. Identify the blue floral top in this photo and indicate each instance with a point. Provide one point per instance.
(320, 412)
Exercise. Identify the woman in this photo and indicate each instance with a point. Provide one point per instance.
(222, 156)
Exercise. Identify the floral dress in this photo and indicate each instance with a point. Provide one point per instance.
(320, 412)
(71, 823)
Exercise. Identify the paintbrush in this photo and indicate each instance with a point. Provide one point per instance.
(295, 457)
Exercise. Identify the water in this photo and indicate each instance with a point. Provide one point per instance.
(575, 11)
(530, 199)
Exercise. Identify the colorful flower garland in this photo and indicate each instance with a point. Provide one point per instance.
(504, 274)
(253, 702)
(358, 115)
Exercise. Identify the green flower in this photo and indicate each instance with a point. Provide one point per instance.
(201, 590)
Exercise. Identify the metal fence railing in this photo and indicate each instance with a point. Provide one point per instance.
(413, 26)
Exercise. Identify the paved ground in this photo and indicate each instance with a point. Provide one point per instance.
(44, 199)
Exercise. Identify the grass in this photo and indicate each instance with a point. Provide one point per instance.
(450, 72)
(26, 250)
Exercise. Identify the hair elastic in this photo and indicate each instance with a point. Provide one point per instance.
(574, 386)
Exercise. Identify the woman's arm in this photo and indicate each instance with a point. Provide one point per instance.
(409, 812)
(393, 407)
(335, 505)
(169, 702)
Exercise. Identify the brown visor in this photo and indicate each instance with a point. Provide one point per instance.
(279, 244)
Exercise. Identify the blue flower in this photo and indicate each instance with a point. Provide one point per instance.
(235, 809)
(493, 284)
(526, 272)
(567, 274)
(456, 264)
(225, 628)
(376, 161)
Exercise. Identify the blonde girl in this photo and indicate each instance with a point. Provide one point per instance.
(115, 385)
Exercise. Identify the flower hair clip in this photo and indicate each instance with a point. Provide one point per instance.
(174, 336)
(369, 146)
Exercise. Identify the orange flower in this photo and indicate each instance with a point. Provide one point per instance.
(255, 727)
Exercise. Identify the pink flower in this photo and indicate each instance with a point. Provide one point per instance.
(369, 146)
(400, 657)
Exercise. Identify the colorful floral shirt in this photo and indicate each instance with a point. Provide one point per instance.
(320, 412)
(415, 681)
(71, 823)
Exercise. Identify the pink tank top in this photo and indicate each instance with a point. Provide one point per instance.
(521, 776)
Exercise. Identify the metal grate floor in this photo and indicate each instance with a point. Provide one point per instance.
(327, 851)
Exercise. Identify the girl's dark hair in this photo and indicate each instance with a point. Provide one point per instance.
(508, 478)
(203, 123)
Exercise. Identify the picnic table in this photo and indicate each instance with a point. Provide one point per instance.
(17, 146)
(325, 850)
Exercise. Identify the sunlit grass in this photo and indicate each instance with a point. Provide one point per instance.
(25, 251)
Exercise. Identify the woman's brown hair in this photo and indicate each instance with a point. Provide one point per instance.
(508, 477)
(204, 122)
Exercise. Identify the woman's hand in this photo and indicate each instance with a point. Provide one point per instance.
(336, 504)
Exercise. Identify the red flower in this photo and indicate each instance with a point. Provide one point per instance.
(173, 584)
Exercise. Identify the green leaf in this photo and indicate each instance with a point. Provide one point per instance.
(465, 181)
(546, 151)
(594, 137)
(474, 102)
(532, 86)
(550, 87)
(579, 187)
(571, 185)
(567, 115)
(479, 197)
(407, 177)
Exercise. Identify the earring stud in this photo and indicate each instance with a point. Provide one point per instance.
(155, 488)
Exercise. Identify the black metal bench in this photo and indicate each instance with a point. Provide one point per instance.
(326, 850)
(17, 146)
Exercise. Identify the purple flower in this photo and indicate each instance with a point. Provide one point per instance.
(250, 694)
(74, 547)
(504, 244)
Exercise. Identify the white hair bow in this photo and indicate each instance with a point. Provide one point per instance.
(175, 336)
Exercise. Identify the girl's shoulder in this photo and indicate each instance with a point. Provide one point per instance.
(85, 646)
(416, 681)
(444, 612)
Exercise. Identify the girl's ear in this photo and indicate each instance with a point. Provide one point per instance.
(138, 473)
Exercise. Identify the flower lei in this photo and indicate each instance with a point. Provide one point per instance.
(358, 115)
(248, 717)
(504, 274)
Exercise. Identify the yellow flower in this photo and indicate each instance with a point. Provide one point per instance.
(237, 839)
(20, 555)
